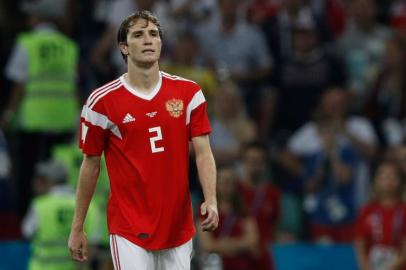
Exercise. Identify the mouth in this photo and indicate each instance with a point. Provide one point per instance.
(148, 51)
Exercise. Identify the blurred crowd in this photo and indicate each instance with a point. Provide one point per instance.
(307, 101)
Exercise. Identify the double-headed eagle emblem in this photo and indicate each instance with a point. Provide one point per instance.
(174, 107)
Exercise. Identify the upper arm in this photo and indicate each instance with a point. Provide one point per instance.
(17, 66)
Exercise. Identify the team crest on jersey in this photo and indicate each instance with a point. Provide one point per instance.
(174, 107)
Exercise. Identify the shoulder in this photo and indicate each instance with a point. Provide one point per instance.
(305, 139)
(98, 95)
(361, 127)
(181, 82)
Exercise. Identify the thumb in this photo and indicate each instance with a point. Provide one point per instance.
(203, 209)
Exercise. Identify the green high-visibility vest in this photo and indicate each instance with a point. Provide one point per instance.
(50, 103)
(49, 245)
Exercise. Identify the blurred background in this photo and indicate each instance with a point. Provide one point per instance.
(307, 101)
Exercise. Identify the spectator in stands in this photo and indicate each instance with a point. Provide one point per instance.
(237, 51)
(43, 105)
(186, 62)
(328, 180)
(381, 241)
(386, 106)
(47, 224)
(260, 196)
(304, 75)
(231, 126)
(278, 29)
(362, 45)
(236, 239)
(331, 157)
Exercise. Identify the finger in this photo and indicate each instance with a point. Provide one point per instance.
(79, 255)
(84, 251)
(209, 218)
(203, 209)
(75, 256)
(211, 224)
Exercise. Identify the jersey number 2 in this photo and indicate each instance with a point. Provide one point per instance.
(154, 139)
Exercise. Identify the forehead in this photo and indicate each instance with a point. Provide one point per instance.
(142, 24)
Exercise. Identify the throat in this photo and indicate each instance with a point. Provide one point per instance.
(144, 81)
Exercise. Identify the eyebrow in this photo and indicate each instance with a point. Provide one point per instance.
(139, 31)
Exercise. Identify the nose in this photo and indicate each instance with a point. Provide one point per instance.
(147, 39)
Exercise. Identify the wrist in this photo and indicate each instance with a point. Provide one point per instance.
(77, 228)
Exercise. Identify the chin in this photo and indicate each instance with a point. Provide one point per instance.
(147, 61)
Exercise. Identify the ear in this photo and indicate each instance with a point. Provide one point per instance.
(123, 48)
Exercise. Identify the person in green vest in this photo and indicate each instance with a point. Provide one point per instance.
(71, 157)
(47, 223)
(43, 106)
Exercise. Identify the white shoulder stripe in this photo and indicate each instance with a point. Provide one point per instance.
(174, 77)
(91, 104)
(101, 88)
(100, 120)
(197, 99)
(95, 94)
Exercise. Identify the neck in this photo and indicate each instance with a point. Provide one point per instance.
(143, 77)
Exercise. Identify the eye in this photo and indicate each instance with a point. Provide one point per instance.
(154, 33)
(137, 34)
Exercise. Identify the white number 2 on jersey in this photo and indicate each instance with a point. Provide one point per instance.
(158, 137)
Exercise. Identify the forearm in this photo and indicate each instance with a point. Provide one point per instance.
(207, 176)
(89, 172)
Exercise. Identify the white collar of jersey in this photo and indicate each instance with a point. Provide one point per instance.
(138, 93)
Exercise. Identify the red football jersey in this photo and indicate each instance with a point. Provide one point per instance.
(145, 140)
(383, 229)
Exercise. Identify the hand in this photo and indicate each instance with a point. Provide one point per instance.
(78, 245)
(212, 220)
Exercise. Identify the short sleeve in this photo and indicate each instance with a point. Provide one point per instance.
(17, 66)
(197, 117)
(93, 131)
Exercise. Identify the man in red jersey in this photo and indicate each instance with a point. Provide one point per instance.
(261, 197)
(143, 122)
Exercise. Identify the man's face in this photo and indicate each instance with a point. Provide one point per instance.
(255, 161)
(143, 43)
